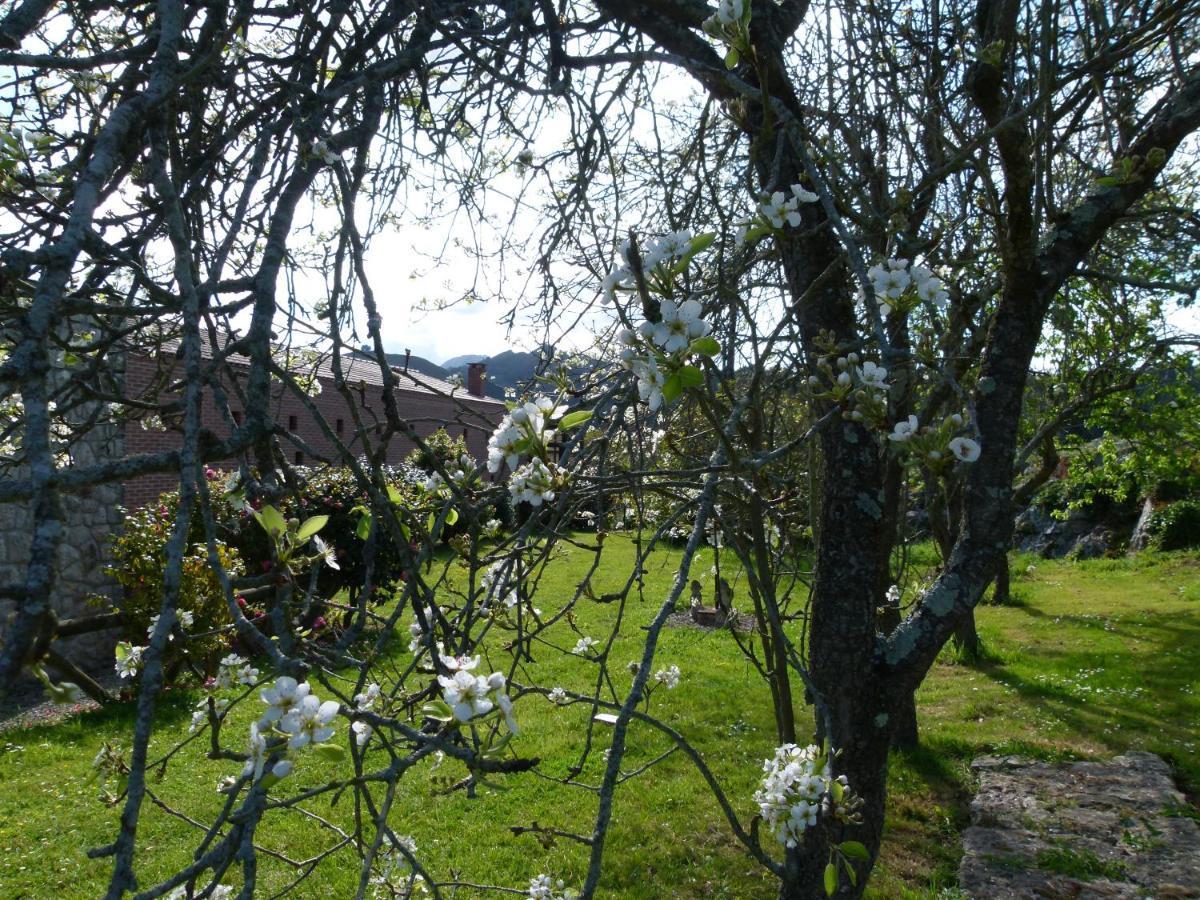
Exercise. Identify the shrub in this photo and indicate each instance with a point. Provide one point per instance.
(139, 557)
(1177, 526)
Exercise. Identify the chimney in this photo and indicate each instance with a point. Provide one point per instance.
(475, 372)
(407, 357)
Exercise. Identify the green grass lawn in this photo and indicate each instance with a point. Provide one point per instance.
(1093, 658)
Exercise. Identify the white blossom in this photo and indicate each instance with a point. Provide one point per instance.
(873, 375)
(258, 753)
(680, 325)
(282, 698)
(308, 722)
(904, 430)
(532, 483)
(669, 677)
(729, 12)
(543, 887)
(557, 696)
(778, 209)
(235, 670)
(368, 698)
(650, 382)
(129, 659)
(584, 646)
(965, 449)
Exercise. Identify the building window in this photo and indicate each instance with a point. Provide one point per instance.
(299, 458)
(339, 426)
(292, 423)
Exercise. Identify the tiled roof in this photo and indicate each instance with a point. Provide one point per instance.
(357, 368)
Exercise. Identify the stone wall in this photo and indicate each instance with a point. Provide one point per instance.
(90, 518)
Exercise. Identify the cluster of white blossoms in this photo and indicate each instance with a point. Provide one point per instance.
(655, 352)
(668, 676)
(774, 211)
(584, 646)
(319, 149)
(200, 716)
(129, 659)
(558, 697)
(899, 286)
(528, 430)
(461, 473)
(470, 696)
(396, 877)
(418, 640)
(543, 887)
(365, 702)
(524, 430)
(234, 670)
(659, 260)
(293, 712)
(933, 444)
(780, 208)
(497, 586)
(532, 483)
(220, 892)
(797, 789)
(185, 617)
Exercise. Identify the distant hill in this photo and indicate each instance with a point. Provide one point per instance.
(460, 362)
(510, 369)
(417, 364)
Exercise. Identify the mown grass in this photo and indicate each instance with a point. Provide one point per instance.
(1095, 658)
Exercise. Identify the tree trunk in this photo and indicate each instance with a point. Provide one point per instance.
(905, 733)
(1001, 593)
(966, 638)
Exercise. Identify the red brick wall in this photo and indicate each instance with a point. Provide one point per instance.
(425, 412)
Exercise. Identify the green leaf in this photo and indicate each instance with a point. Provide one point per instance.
(575, 419)
(394, 495)
(690, 377)
(672, 388)
(363, 529)
(331, 752)
(497, 746)
(854, 850)
(732, 58)
(271, 520)
(451, 516)
(310, 527)
(705, 346)
(437, 709)
(830, 879)
(701, 242)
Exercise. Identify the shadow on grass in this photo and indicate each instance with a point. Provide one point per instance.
(1153, 712)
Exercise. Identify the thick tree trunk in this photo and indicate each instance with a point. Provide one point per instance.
(966, 638)
(905, 733)
(1001, 593)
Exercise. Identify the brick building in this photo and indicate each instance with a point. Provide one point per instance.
(426, 403)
